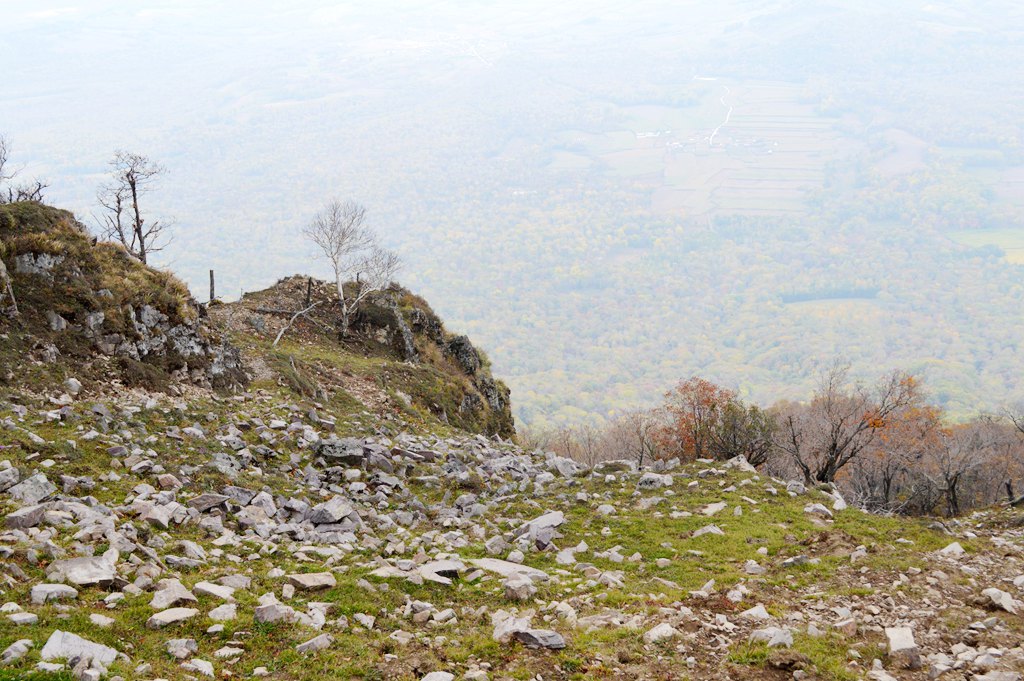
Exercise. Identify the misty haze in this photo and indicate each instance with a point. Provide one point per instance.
(608, 198)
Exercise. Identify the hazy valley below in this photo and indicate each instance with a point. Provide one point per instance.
(607, 200)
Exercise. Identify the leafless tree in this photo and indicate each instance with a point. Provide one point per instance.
(27, 191)
(533, 439)
(5, 151)
(635, 434)
(824, 436)
(957, 462)
(361, 267)
(122, 219)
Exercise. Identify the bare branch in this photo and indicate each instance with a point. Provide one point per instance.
(291, 321)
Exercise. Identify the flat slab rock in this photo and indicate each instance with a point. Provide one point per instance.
(540, 638)
(548, 520)
(313, 581)
(507, 568)
(63, 645)
(171, 592)
(83, 571)
(330, 512)
(437, 571)
(26, 517)
(204, 502)
(41, 593)
(32, 490)
(315, 644)
(169, 617)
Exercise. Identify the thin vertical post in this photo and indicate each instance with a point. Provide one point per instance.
(212, 289)
(309, 291)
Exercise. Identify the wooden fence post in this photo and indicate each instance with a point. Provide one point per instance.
(212, 290)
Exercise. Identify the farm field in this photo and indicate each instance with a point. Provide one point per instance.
(754, 148)
(1011, 241)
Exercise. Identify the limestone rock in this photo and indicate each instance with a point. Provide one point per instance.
(64, 645)
(902, 646)
(170, 616)
(41, 593)
(313, 581)
(540, 638)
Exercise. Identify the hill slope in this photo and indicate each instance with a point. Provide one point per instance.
(243, 536)
(90, 313)
(329, 503)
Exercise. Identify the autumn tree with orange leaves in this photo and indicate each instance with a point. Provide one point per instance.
(887, 476)
(694, 410)
(840, 422)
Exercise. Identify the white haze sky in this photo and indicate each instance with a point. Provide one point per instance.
(552, 176)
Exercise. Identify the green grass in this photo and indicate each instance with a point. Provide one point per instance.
(777, 524)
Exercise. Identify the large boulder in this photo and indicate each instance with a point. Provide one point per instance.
(87, 571)
(63, 645)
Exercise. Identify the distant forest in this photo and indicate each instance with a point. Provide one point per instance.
(607, 202)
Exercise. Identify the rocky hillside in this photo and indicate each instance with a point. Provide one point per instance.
(253, 536)
(398, 360)
(90, 312)
(234, 491)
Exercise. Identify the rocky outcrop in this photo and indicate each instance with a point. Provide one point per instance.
(83, 300)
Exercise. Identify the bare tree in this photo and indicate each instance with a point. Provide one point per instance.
(28, 191)
(133, 176)
(5, 150)
(839, 423)
(635, 434)
(361, 267)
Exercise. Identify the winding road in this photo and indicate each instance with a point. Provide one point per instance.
(728, 115)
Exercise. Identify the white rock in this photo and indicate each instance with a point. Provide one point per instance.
(63, 645)
(41, 593)
(171, 616)
(101, 621)
(774, 636)
(661, 632)
(198, 666)
(171, 592)
(224, 613)
(224, 593)
(313, 581)
(902, 646)
(708, 529)
(1002, 599)
(758, 612)
(16, 651)
(315, 644)
(954, 550)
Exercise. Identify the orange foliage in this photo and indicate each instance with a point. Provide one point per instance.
(693, 408)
